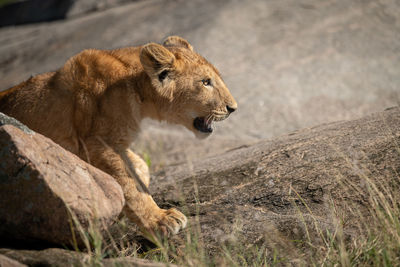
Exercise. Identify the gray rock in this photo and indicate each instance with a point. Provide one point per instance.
(61, 257)
(33, 11)
(6, 120)
(7, 262)
(81, 7)
(294, 187)
(289, 64)
(43, 186)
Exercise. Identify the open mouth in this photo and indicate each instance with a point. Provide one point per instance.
(203, 125)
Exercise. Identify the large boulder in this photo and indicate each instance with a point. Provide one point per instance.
(294, 187)
(289, 64)
(46, 191)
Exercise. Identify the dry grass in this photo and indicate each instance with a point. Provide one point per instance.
(376, 241)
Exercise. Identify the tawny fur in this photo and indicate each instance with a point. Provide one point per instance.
(94, 104)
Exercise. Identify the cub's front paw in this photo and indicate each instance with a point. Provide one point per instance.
(171, 222)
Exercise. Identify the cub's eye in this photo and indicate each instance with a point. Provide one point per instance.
(206, 82)
(163, 75)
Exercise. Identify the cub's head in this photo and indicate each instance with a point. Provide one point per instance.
(188, 85)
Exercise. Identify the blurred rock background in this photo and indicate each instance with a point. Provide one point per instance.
(290, 64)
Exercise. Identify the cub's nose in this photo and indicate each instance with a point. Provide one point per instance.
(231, 109)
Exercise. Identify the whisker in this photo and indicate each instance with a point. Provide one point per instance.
(209, 118)
(218, 112)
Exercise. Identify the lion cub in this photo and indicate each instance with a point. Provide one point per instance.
(94, 104)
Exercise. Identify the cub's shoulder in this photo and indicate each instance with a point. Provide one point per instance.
(92, 70)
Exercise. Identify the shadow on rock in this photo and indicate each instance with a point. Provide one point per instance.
(32, 11)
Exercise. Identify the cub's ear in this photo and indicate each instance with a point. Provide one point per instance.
(158, 62)
(177, 41)
(155, 58)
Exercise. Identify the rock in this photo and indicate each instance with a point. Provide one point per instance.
(295, 64)
(7, 262)
(81, 7)
(4, 119)
(277, 190)
(33, 11)
(61, 257)
(41, 185)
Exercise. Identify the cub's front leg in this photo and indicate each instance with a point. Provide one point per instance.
(139, 205)
(136, 166)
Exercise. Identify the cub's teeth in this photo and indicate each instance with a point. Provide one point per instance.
(212, 124)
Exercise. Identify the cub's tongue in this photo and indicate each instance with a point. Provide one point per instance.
(201, 125)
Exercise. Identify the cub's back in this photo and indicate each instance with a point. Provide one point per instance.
(63, 104)
(42, 107)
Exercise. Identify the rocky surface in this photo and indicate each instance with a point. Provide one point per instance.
(282, 193)
(42, 185)
(60, 257)
(34, 11)
(290, 188)
(6, 120)
(290, 64)
(7, 262)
